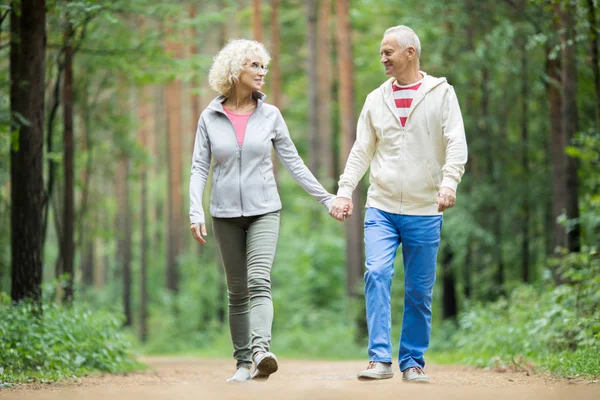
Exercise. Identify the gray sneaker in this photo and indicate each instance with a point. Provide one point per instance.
(414, 375)
(242, 374)
(376, 370)
(264, 365)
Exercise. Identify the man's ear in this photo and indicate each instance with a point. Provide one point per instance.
(412, 52)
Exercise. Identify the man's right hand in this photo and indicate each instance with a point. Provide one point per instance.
(199, 232)
(341, 208)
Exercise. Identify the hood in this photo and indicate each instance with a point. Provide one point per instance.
(429, 83)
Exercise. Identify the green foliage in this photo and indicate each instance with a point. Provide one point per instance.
(556, 327)
(61, 341)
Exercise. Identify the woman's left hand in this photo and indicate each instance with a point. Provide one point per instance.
(199, 232)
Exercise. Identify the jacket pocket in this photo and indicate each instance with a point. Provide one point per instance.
(216, 187)
(418, 184)
(263, 178)
(388, 183)
(435, 173)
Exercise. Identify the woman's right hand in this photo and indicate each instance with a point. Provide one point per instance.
(199, 232)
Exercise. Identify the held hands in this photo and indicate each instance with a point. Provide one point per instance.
(199, 232)
(446, 198)
(341, 208)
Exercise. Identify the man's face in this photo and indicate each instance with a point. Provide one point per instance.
(393, 57)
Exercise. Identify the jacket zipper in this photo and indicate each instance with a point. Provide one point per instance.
(240, 153)
(404, 146)
(240, 174)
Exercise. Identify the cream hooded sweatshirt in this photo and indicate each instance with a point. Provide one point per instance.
(408, 164)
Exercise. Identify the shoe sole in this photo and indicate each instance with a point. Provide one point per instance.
(372, 377)
(266, 366)
(415, 380)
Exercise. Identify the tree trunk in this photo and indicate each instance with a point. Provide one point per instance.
(449, 303)
(50, 148)
(313, 99)
(175, 204)
(275, 67)
(569, 121)
(558, 144)
(275, 70)
(525, 167)
(354, 225)
(85, 225)
(87, 263)
(68, 168)
(27, 72)
(595, 62)
(144, 119)
(467, 287)
(325, 153)
(195, 81)
(257, 31)
(124, 241)
(159, 152)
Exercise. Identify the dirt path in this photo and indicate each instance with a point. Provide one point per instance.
(188, 378)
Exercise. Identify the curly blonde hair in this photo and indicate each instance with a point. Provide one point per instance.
(227, 64)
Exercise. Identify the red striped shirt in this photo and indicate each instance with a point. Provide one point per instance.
(403, 97)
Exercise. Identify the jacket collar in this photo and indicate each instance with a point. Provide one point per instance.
(429, 83)
(217, 103)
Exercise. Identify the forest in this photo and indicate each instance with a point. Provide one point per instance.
(99, 103)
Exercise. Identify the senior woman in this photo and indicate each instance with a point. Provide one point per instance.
(239, 130)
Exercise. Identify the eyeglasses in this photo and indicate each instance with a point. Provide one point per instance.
(257, 67)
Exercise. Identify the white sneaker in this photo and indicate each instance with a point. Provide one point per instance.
(264, 365)
(376, 370)
(414, 375)
(242, 374)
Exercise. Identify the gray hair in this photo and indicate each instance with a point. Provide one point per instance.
(405, 37)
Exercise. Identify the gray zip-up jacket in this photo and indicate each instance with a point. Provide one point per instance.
(243, 181)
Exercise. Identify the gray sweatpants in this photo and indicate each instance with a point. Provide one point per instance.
(247, 246)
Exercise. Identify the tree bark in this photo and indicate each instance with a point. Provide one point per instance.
(595, 62)
(257, 31)
(354, 225)
(525, 167)
(275, 67)
(558, 144)
(570, 121)
(313, 99)
(467, 287)
(449, 303)
(87, 263)
(85, 224)
(27, 72)
(68, 168)
(124, 235)
(325, 154)
(144, 118)
(194, 97)
(175, 204)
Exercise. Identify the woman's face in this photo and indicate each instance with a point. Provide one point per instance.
(253, 74)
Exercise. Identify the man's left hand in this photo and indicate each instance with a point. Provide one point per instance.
(446, 198)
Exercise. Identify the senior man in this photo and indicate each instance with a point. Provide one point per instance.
(411, 135)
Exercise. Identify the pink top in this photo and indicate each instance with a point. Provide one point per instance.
(239, 122)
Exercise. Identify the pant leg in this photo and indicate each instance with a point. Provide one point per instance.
(381, 243)
(230, 234)
(420, 242)
(261, 244)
